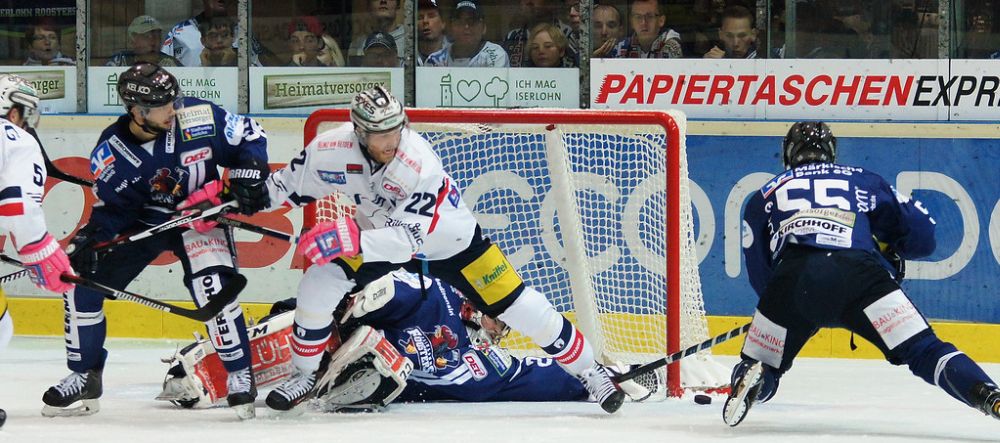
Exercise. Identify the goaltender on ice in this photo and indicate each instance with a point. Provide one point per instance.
(410, 213)
(405, 341)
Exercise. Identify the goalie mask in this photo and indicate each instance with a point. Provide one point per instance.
(808, 142)
(17, 93)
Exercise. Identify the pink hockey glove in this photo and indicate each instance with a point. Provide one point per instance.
(329, 240)
(206, 197)
(47, 261)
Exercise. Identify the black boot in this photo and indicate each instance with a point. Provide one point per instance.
(84, 387)
(986, 398)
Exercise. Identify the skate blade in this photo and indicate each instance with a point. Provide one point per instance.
(245, 411)
(296, 411)
(737, 406)
(87, 407)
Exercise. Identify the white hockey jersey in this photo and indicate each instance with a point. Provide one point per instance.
(408, 208)
(22, 184)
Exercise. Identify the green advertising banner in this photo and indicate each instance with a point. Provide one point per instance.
(298, 90)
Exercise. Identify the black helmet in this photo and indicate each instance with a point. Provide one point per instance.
(147, 85)
(808, 142)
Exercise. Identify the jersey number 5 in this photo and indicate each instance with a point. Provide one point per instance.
(424, 210)
(821, 194)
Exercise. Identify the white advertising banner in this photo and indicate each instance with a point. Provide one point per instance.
(298, 90)
(498, 88)
(802, 89)
(56, 85)
(218, 85)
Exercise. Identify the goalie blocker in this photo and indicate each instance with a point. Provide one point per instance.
(365, 373)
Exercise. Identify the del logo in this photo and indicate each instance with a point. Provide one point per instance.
(393, 188)
(334, 177)
(453, 196)
(197, 156)
(475, 365)
(101, 158)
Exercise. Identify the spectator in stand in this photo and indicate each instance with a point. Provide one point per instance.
(41, 40)
(569, 23)
(649, 38)
(430, 31)
(608, 30)
(515, 43)
(737, 35)
(217, 41)
(381, 18)
(468, 47)
(184, 41)
(144, 36)
(310, 46)
(549, 47)
(380, 51)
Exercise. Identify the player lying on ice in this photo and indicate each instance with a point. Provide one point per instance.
(401, 344)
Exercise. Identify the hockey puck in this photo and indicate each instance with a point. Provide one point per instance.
(702, 399)
(3, 418)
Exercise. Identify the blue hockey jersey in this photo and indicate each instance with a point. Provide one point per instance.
(143, 182)
(830, 206)
(448, 365)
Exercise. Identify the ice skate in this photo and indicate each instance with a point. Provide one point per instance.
(298, 388)
(986, 398)
(75, 395)
(604, 390)
(744, 394)
(242, 393)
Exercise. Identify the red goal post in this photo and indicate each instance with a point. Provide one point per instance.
(665, 129)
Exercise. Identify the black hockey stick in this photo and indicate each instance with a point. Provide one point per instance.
(205, 313)
(55, 172)
(170, 224)
(252, 228)
(652, 366)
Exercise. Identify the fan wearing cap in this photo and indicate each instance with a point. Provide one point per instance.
(380, 51)
(310, 46)
(144, 37)
(382, 17)
(430, 31)
(468, 47)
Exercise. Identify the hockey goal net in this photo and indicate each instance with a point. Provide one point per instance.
(592, 208)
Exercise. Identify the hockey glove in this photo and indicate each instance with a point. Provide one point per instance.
(249, 188)
(327, 241)
(47, 262)
(898, 263)
(204, 198)
(81, 252)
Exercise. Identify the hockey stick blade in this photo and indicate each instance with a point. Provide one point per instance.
(652, 366)
(171, 224)
(240, 224)
(205, 313)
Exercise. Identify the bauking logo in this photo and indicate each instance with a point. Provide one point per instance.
(797, 89)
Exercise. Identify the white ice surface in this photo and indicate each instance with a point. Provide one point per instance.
(820, 400)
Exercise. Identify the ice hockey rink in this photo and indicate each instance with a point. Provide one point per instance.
(821, 400)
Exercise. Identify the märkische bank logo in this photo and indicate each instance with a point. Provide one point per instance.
(282, 91)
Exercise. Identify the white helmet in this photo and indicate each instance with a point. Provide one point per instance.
(15, 90)
(374, 111)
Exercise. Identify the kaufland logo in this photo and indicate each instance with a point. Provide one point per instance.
(798, 90)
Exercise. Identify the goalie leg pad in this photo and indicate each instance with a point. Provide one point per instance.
(366, 373)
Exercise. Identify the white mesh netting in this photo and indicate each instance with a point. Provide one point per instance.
(604, 266)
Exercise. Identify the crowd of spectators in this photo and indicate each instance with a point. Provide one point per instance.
(537, 33)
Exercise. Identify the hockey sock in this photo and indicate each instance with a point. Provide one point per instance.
(85, 329)
(228, 330)
(532, 315)
(940, 363)
(308, 345)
